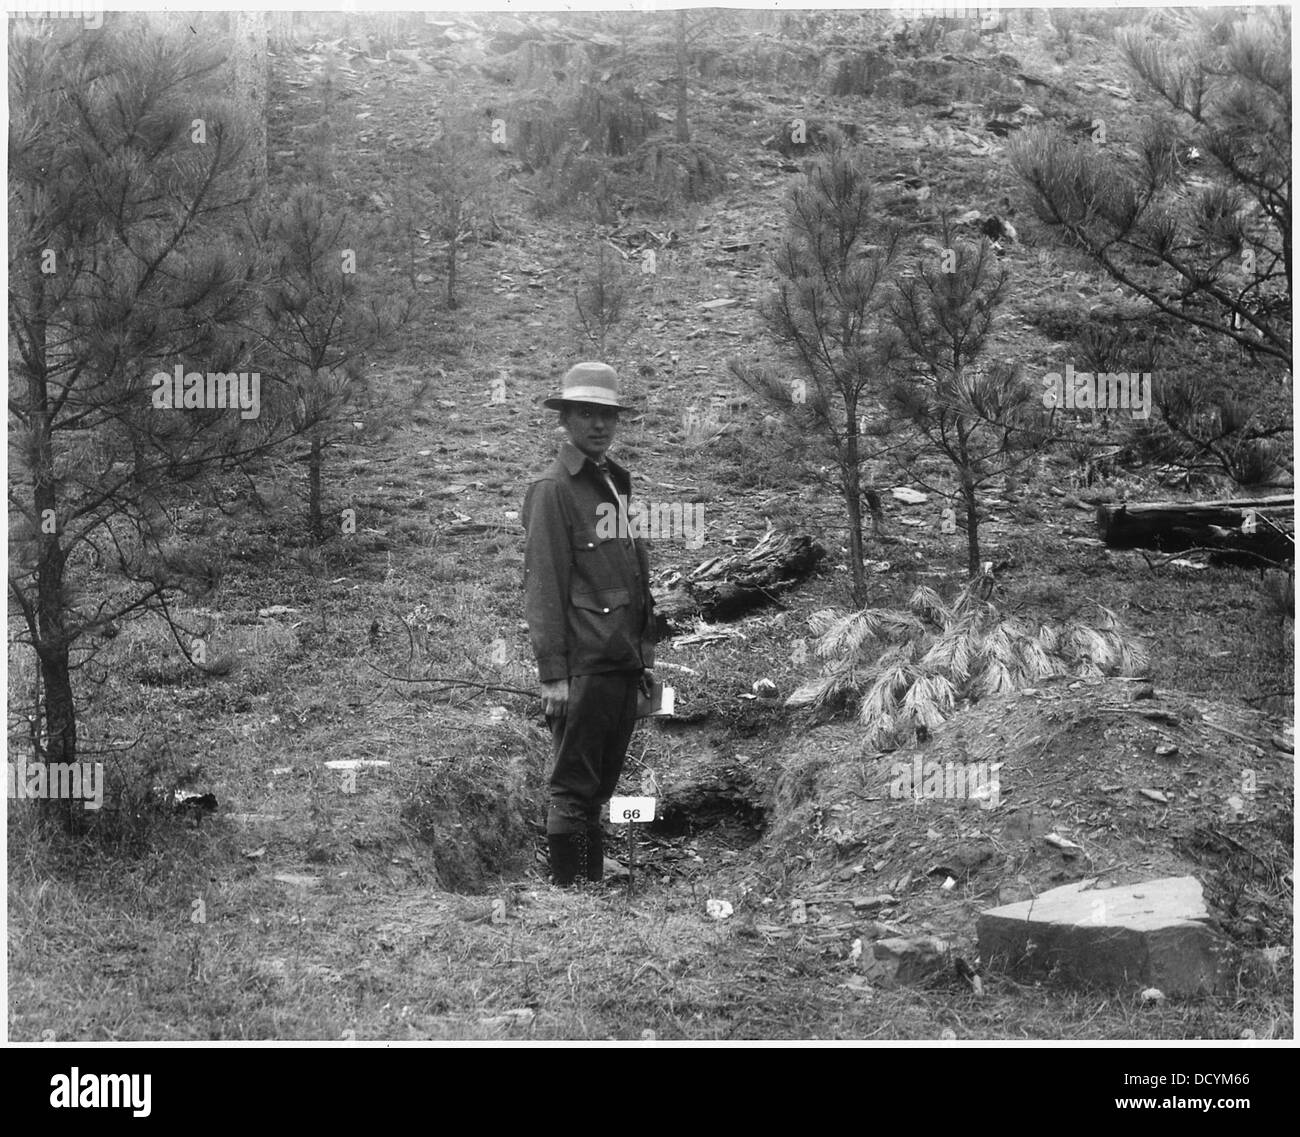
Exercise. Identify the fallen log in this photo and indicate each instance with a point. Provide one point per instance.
(1245, 529)
(723, 588)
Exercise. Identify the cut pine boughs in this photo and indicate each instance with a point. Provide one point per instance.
(908, 669)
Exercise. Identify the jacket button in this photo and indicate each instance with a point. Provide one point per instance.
(604, 609)
(591, 544)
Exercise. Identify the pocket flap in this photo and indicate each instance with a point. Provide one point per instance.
(584, 540)
(604, 601)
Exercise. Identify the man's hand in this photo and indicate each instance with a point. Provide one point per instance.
(555, 698)
(647, 682)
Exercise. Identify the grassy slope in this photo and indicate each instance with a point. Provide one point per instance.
(364, 937)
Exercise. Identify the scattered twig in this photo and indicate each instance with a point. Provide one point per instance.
(450, 684)
(1159, 563)
(1233, 733)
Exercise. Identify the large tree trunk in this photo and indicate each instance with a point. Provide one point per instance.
(250, 75)
(1174, 526)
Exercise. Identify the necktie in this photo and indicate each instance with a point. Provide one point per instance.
(624, 520)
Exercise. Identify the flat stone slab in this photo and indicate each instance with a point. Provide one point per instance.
(1154, 934)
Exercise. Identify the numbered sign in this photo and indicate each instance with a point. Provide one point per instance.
(627, 810)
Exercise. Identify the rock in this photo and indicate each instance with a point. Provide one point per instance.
(1154, 934)
(903, 959)
(909, 496)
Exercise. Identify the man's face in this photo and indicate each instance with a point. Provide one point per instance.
(590, 427)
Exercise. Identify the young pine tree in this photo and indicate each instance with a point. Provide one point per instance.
(985, 420)
(124, 178)
(831, 310)
(322, 312)
(1193, 214)
(460, 189)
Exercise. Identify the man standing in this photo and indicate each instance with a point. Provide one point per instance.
(590, 617)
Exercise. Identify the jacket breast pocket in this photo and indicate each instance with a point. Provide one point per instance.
(597, 565)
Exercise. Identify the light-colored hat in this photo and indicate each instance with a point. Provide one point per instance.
(588, 383)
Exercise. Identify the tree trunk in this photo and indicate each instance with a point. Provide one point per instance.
(853, 500)
(453, 232)
(1172, 526)
(280, 33)
(726, 587)
(50, 638)
(315, 520)
(683, 126)
(250, 82)
(972, 529)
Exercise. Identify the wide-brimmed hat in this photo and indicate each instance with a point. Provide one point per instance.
(588, 383)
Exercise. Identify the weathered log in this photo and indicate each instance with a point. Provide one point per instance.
(1260, 527)
(723, 588)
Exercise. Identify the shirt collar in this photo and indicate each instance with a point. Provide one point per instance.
(574, 459)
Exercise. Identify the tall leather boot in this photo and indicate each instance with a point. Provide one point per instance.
(568, 856)
(595, 854)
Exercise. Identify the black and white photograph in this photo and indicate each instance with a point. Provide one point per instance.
(650, 526)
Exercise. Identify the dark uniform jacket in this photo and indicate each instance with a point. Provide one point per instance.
(586, 586)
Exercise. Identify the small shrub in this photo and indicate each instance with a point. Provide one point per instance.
(659, 174)
(613, 123)
(859, 74)
(538, 133)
